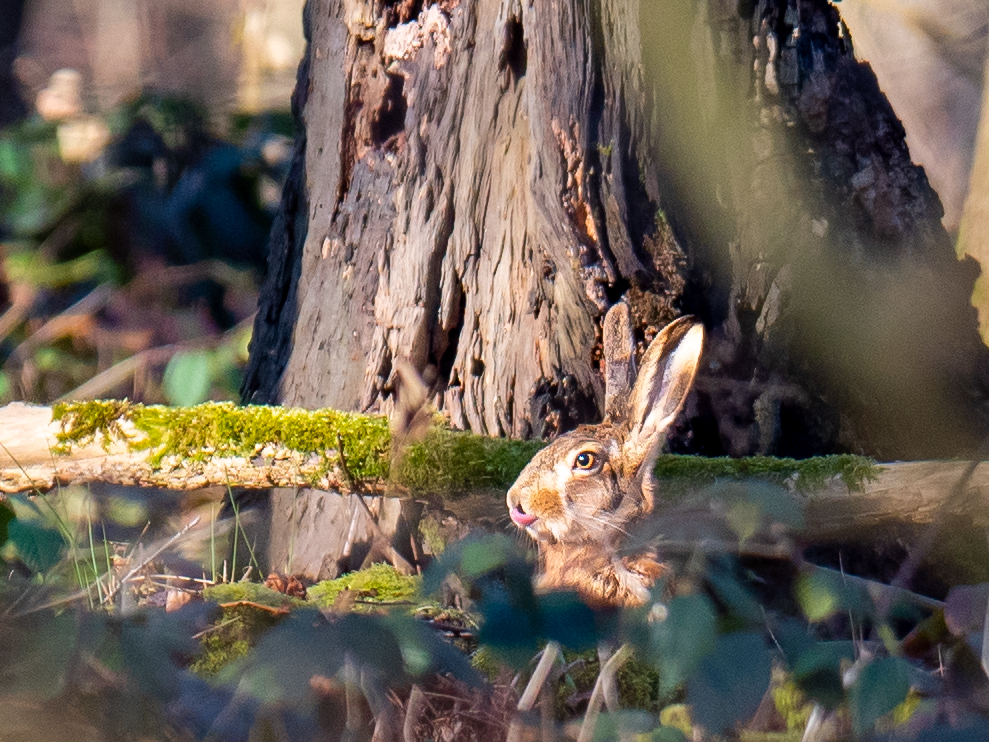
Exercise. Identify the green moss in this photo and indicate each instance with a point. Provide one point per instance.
(450, 461)
(219, 648)
(239, 627)
(638, 682)
(677, 715)
(684, 473)
(432, 536)
(790, 702)
(224, 429)
(638, 685)
(379, 583)
(484, 661)
(447, 462)
(86, 422)
(253, 592)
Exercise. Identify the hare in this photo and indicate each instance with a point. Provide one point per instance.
(579, 495)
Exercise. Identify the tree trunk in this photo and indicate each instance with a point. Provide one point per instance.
(477, 181)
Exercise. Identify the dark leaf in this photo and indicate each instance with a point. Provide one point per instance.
(36, 653)
(512, 634)
(38, 547)
(680, 642)
(6, 515)
(668, 734)
(817, 671)
(425, 654)
(880, 687)
(568, 620)
(730, 682)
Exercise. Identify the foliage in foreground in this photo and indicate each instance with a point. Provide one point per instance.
(708, 659)
(730, 651)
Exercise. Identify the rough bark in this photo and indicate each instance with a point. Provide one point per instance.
(485, 178)
(479, 180)
(476, 205)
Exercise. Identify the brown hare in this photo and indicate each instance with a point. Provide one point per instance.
(579, 495)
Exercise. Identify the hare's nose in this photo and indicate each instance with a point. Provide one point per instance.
(520, 518)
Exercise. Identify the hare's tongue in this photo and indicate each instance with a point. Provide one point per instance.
(522, 519)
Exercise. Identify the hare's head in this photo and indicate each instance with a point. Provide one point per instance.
(588, 485)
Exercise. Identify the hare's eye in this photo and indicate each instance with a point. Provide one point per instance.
(585, 460)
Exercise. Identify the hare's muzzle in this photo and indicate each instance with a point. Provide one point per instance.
(523, 520)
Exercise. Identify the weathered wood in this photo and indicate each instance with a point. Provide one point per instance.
(28, 462)
(475, 185)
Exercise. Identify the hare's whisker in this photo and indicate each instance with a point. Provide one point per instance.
(589, 515)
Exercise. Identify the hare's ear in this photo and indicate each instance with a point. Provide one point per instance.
(668, 370)
(619, 360)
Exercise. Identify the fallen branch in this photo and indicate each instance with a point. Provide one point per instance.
(902, 493)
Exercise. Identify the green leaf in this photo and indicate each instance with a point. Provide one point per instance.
(38, 547)
(817, 671)
(6, 516)
(880, 687)
(822, 593)
(187, 378)
(36, 653)
(681, 641)
(731, 681)
(568, 620)
(668, 734)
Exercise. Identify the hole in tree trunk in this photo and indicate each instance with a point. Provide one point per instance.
(513, 53)
(389, 120)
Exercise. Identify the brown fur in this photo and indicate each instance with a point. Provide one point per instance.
(580, 518)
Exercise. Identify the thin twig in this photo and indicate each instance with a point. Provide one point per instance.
(153, 555)
(606, 676)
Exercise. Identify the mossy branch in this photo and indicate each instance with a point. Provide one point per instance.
(445, 462)
(222, 444)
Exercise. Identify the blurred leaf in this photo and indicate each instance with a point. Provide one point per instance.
(681, 641)
(623, 724)
(744, 518)
(6, 516)
(305, 645)
(817, 671)
(880, 687)
(153, 642)
(15, 160)
(822, 593)
(728, 588)
(479, 558)
(34, 269)
(965, 608)
(126, 511)
(36, 652)
(754, 504)
(39, 548)
(425, 653)
(513, 635)
(977, 732)
(473, 558)
(568, 620)
(187, 378)
(668, 734)
(730, 682)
